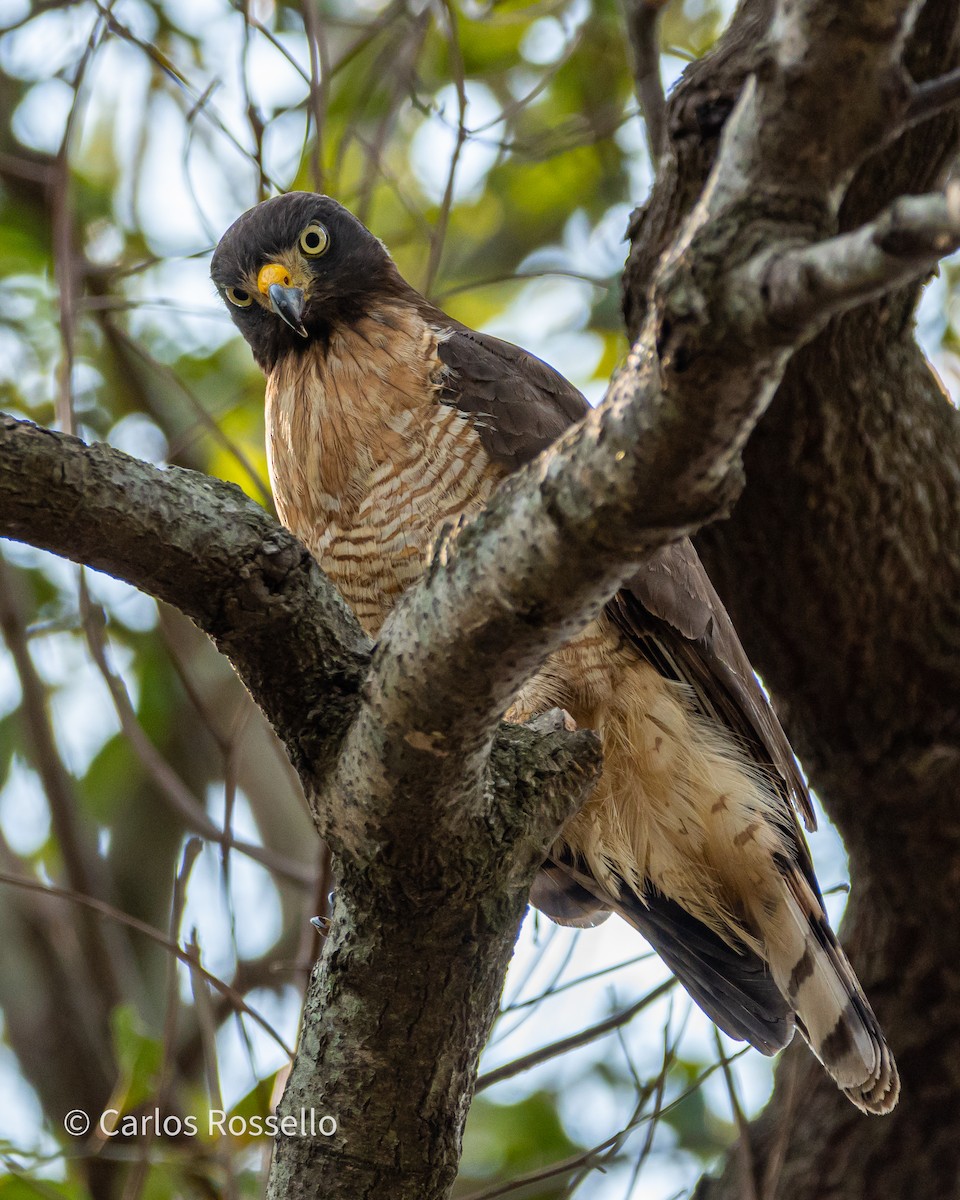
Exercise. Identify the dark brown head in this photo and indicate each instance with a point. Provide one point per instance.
(294, 267)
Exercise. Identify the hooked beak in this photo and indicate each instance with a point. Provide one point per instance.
(287, 303)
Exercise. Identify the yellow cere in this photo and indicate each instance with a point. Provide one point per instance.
(270, 274)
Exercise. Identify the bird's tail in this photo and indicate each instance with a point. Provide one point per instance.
(796, 976)
(811, 970)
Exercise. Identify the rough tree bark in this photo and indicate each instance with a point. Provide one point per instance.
(437, 820)
(841, 567)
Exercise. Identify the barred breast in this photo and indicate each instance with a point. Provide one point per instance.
(368, 487)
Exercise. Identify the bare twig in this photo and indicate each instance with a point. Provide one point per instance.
(643, 21)
(501, 1033)
(114, 914)
(168, 783)
(319, 85)
(130, 349)
(931, 98)
(85, 871)
(589, 1157)
(64, 233)
(199, 101)
(439, 234)
(583, 1038)
(206, 1022)
(136, 1180)
(572, 983)
(745, 1148)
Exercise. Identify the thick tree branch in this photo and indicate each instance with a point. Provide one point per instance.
(809, 285)
(204, 547)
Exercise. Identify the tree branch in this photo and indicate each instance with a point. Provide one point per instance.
(643, 24)
(807, 286)
(933, 97)
(204, 547)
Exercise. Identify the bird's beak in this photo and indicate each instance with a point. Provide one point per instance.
(287, 303)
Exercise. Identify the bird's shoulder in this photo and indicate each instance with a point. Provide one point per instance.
(518, 403)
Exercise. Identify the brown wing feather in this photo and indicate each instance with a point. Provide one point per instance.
(520, 405)
(669, 609)
(673, 587)
(672, 615)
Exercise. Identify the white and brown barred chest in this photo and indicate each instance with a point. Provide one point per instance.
(366, 465)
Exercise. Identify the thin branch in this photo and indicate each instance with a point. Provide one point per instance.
(643, 30)
(64, 233)
(745, 1147)
(931, 98)
(206, 1023)
(319, 85)
(199, 101)
(130, 352)
(138, 1174)
(168, 783)
(501, 1034)
(114, 914)
(588, 1157)
(572, 983)
(85, 871)
(583, 1038)
(438, 237)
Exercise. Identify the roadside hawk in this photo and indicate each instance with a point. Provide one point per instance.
(387, 419)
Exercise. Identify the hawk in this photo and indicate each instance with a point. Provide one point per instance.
(386, 420)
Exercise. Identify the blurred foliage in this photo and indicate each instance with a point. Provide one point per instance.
(495, 147)
(510, 1140)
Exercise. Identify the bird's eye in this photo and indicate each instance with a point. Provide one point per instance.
(238, 297)
(314, 240)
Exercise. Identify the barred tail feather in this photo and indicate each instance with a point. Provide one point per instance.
(812, 971)
(800, 978)
(732, 985)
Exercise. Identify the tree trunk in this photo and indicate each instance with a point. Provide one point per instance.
(841, 567)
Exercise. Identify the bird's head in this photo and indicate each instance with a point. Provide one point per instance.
(294, 267)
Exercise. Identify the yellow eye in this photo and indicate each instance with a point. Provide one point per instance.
(314, 240)
(239, 297)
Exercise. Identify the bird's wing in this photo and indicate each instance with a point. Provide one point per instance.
(734, 987)
(673, 589)
(669, 609)
(518, 403)
(674, 618)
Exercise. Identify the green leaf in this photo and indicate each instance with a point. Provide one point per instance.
(139, 1058)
